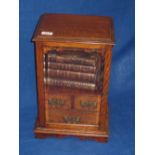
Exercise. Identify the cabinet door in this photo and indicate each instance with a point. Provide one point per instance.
(55, 104)
(87, 103)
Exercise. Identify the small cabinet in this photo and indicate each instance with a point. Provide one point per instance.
(73, 59)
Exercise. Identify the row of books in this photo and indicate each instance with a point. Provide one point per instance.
(72, 70)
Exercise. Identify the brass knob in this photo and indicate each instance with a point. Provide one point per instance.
(72, 119)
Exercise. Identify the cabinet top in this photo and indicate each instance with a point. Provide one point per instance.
(75, 28)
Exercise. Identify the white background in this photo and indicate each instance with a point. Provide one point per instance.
(145, 77)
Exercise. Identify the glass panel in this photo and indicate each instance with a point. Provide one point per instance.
(73, 69)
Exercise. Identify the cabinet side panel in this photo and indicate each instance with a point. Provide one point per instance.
(40, 84)
(104, 97)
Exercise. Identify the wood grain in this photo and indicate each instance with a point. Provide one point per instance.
(82, 28)
(40, 83)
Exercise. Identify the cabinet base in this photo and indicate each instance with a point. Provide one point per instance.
(46, 135)
(99, 136)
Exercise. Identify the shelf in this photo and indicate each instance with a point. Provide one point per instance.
(52, 89)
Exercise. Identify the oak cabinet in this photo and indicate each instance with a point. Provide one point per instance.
(73, 58)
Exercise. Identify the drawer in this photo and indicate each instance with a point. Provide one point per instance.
(72, 117)
(56, 101)
(87, 103)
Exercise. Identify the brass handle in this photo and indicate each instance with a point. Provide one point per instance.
(88, 104)
(72, 119)
(55, 101)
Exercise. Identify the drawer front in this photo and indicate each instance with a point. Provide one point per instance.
(87, 103)
(57, 102)
(72, 117)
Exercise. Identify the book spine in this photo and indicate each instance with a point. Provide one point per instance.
(73, 60)
(70, 84)
(71, 67)
(71, 75)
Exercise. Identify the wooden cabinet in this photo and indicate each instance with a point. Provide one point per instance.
(73, 58)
